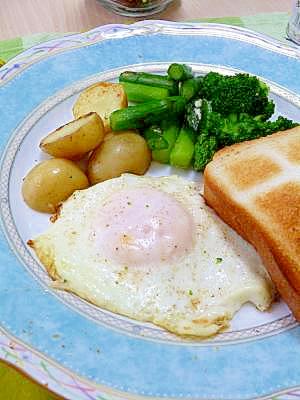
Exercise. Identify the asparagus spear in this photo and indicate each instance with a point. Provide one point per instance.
(141, 93)
(183, 150)
(155, 139)
(190, 88)
(180, 72)
(153, 80)
(170, 131)
(147, 113)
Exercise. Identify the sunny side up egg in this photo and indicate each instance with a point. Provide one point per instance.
(150, 249)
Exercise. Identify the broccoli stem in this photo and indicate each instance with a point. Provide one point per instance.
(180, 72)
(182, 153)
(140, 93)
(153, 80)
(145, 114)
(170, 131)
(190, 88)
(205, 148)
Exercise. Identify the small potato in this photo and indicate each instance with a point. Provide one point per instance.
(122, 152)
(51, 182)
(103, 98)
(76, 138)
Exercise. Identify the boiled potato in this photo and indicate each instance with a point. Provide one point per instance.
(51, 182)
(102, 98)
(76, 138)
(121, 152)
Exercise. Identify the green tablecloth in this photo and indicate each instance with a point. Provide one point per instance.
(273, 24)
(14, 386)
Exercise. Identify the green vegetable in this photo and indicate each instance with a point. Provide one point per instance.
(153, 80)
(211, 112)
(238, 128)
(205, 148)
(190, 88)
(280, 124)
(183, 150)
(142, 93)
(180, 72)
(206, 117)
(170, 131)
(147, 113)
(155, 139)
(193, 114)
(237, 94)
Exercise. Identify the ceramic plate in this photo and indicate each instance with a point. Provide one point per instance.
(81, 351)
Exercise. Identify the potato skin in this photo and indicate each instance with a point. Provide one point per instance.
(51, 182)
(120, 153)
(103, 98)
(76, 138)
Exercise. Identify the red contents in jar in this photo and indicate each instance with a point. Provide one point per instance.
(135, 3)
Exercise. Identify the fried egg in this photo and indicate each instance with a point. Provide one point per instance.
(149, 248)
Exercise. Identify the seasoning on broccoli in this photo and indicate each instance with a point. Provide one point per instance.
(193, 114)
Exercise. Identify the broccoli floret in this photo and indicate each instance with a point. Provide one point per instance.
(238, 128)
(281, 124)
(205, 148)
(237, 94)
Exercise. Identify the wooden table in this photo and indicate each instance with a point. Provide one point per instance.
(19, 18)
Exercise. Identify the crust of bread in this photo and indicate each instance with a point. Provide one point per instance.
(267, 216)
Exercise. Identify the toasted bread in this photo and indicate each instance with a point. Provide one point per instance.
(102, 98)
(254, 186)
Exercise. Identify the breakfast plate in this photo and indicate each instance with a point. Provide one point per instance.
(81, 351)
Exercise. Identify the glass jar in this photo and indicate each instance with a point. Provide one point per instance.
(293, 28)
(135, 8)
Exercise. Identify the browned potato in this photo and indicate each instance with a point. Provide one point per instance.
(103, 98)
(122, 152)
(76, 138)
(51, 182)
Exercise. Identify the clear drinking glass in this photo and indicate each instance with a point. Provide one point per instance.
(293, 28)
(135, 8)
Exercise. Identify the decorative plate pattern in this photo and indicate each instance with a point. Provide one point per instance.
(76, 349)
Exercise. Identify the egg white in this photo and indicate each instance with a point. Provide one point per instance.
(195, 294)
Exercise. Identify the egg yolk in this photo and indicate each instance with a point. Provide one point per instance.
(143, 226)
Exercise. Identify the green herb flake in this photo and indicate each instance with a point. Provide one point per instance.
(190, 292)
(218, 260)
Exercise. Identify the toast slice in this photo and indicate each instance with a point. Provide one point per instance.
(254, 187)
